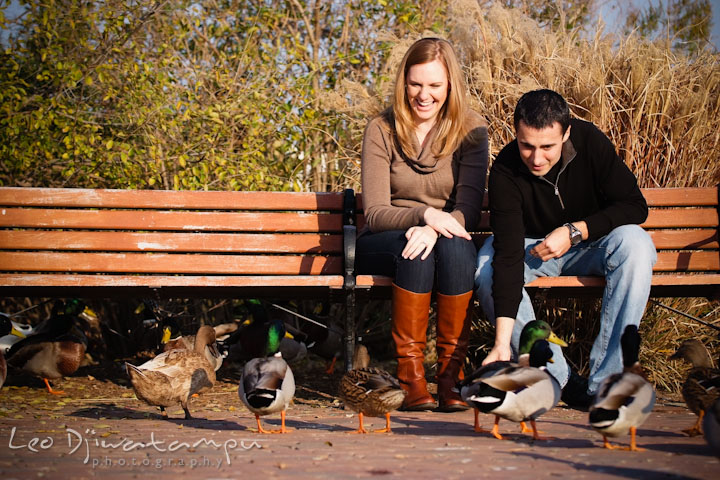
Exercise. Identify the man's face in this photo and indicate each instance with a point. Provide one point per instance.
(541, 149)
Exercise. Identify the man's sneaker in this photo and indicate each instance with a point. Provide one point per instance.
(574, 394)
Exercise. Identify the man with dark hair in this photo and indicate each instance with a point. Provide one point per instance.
(563, 203)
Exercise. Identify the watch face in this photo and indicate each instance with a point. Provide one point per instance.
(575, 234)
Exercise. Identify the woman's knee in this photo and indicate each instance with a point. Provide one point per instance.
(416, 275)
(455, 263)
(455, 250)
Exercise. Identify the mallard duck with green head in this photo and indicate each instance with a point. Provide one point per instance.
(697, 389)
(267, 385)
(174, 376)
(519, 391)
(55, 349)
(371, 392)
(623, 400)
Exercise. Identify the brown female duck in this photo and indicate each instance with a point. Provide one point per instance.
(372, 392)
(174, 376)
(55, 349)
(697, 389)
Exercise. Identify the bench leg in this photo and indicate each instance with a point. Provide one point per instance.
(349, 328)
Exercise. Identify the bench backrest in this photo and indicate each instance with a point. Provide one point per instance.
(171, 238)
(155, 238)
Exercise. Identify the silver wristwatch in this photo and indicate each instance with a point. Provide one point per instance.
(575, 234)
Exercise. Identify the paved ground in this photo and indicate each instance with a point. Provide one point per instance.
(100, 430)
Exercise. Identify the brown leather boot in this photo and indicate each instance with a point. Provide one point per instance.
(409, 331)
(453, 332)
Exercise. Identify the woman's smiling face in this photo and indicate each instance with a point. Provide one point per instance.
(427, 89)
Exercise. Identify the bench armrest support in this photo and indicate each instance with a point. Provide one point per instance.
(349, 241)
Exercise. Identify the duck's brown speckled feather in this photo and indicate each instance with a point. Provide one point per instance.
(371, 391)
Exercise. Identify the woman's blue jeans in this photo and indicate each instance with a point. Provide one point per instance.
(449, 267)
(625, 256)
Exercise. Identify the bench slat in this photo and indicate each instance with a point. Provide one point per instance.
(681, 218)
(573, 281)
(159, 281)
(170, 263)
(684, 239)
(167, 242)
(679, 197)
(702, 239)
(670, 261)
(157, 220)
(657, 280)
(169, 199)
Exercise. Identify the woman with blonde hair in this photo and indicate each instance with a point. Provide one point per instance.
(424, 164)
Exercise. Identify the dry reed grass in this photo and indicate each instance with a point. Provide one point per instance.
(660, 108)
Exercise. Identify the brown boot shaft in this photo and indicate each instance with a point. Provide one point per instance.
(409, 332)
(453, 333)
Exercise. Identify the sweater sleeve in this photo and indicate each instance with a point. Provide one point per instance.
(472, 159)
(380, 214)
(624, 202)
(506, 222)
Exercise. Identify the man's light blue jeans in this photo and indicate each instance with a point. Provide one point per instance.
(625, 256)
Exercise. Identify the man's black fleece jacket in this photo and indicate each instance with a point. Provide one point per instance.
(589, 183)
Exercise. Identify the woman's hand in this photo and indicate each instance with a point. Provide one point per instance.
(445, 224)
(420, 240)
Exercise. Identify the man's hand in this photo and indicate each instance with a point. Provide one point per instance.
(499, 353)
(555, 245)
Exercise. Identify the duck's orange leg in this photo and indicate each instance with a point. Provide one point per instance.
(536, 432)
(283, 429)
(696, 429)
(607, 444)
(331, 367)
(360, 429)
(495, 430)
(633, 445)
(50, 390)
(477, 427)
(282, 425)
(387, 425)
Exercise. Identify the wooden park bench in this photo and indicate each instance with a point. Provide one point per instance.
(58, 242)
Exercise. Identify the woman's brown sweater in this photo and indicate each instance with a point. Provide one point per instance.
(398, 188)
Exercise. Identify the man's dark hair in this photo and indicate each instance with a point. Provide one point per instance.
(541, 109)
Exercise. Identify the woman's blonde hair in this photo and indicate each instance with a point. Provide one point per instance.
(450, 122)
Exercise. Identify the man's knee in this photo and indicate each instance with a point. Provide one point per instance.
(484, 272)
(631, 244)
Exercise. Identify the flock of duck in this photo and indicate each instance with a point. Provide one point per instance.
(519, 391)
